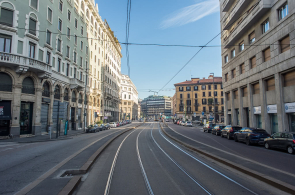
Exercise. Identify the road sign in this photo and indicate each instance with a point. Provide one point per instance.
(203, 113)
(195, 114)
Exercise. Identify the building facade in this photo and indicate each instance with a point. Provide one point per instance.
(174, 103)
(199, 99)
(155, 106)
(258, 63)
(129, 104)
(47, 65)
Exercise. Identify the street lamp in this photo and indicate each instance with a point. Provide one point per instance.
(213, 98)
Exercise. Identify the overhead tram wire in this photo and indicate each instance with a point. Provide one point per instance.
(253, 7)
(127, 33)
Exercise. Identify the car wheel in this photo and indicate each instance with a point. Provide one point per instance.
(290, 150)
(236, 139)
(266, 145)
(248, 142)
(228, 137)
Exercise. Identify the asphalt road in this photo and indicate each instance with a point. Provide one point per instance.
(277, 159)
(23, 163)
(145, 161)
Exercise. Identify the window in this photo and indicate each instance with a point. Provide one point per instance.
(48, 56)
(204, 101)
(49, 15)
(69, 33)
(222, 101)
(188, 88)
(270, 84)
(236, 94)
(68, 52)
(48, 37)
(81, 45)
(67, 70)
(209, 87)
(265, 26)
(59, 24)
(221, 93)
(5, 43)
(69, 15)
(180, 88)
(256, 88)
(204, 109)
(75, 57)
(195, 88)
(32, 47)
(242, 46)
(226, 59)
(283, 11)
(76, 39)
(226, 77)
(215, 93)
(86, 50)
(58, 45)
(245, 92)
(32, 26)
(252, 37)
(180, 96)
(289, 79)
(242, 68)
(209, 93)
(34, 4)
(60, 5)
(188, 95)
(253, 62)
(81, 61)
(285, 44)
(6, 17)
(76, 23)
(58, 64)
(266, 55)
(233, 73)
(82, 30)
(233, 53)
(196, 95)
(204, 94)
(203, 87)
(215, 87)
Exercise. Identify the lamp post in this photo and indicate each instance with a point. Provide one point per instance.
(213, 99)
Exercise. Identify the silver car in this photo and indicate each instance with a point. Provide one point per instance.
(188, 124)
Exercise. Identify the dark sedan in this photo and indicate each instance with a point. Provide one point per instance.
(217, 129)
(284, 141)
(102, 127)
(229, 131)
(251, 135)
(92, 130)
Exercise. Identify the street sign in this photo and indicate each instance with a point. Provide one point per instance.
(195, 114)
(203, 113)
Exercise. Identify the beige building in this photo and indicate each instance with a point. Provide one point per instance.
(129, 103)
(258, 63)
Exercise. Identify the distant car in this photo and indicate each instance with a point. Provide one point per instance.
(175, 121)
(92, 129)
(183, 123)
(167, 121)
(113, 124)
(284, 141)
(178, 122)
(217, 129)
(188, 124)
(208, 127)
(107, 125)
(229, 131)
(251, 135)
(101, 127)
(121, 124)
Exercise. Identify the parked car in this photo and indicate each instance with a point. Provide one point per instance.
(121, 123)
(182, 123)
(188, 124)
(101, 127)
(175, 121)
(113, 124)
(92, 129)
(178, 122)
(229, 131)
(251, 135)
(217, 129)
(107, 125)
(208, 127)
(284, 141)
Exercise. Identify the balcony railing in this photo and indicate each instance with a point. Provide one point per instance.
(22, 64)
(76, 83)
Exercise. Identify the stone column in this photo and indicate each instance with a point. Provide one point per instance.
(241, 110)
(282, 116)
(16, 106)
(69, 110)
(263, 102)
(50, 111)
(233, 110)
(37, 112)
(251, 110)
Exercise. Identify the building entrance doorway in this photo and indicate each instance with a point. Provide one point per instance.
(73, 121)
(26, 113)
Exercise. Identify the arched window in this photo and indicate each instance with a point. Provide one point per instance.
(6, 14)
(74, 96)
(66, 95)
(80, 98)
(57, 92)
(28, 86)
(46, 89)
(87, 13)
(6, 82)
(33, 24)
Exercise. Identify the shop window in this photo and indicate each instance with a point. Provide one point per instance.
(6, 82)
(28, 86)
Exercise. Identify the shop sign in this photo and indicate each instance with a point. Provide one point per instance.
(272, 108)
(257, 110)
(290, 107)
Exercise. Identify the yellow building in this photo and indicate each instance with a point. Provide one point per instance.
(200, 96)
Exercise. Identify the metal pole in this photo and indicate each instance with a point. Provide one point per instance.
(85, 97)
(214, 100)
(57, 119)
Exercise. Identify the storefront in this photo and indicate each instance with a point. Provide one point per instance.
(26, 117)
(290, 111)
(257, 113)
(272, 111)
(5, 117)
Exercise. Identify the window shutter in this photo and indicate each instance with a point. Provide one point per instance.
(252, 35)
(242, 68)
(236, 94)
(267, 54)
(270, 84)
(285, 44)
(34, 3)
(289, 79)
(253, 62)
(256, 88)
(32, 26)
(6, 17)
(245, 92)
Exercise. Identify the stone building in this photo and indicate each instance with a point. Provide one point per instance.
(258, 63)
(200, 96)
(155, 106)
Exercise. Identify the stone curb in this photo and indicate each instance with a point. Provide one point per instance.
(266, 179)
(74, 182)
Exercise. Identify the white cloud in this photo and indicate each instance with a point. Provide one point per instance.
(191, 13)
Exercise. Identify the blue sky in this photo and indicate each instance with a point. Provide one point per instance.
(190, 22)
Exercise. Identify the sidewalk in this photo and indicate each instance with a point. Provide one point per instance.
(43, 138)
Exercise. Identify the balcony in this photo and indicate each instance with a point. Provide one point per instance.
(23, 64)
(247, 22)
(226, 5)
(77, 84)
